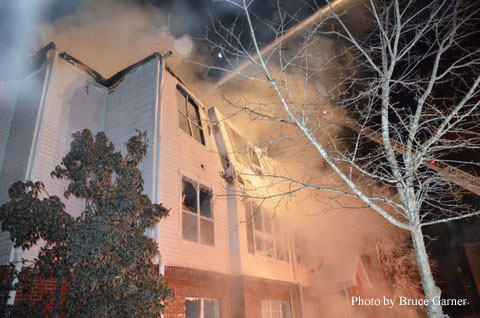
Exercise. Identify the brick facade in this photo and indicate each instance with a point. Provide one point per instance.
(239, 296)
(187, 282)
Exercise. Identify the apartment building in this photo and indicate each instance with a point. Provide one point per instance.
(223, 254)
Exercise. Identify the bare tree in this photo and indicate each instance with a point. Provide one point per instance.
(407, 91)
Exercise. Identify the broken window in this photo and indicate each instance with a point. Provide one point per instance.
(205, 202)
(197, 227)
(189, 116)
(275, 309)
(189, 196)
(202, 308)
(245, 152)
(265, 234)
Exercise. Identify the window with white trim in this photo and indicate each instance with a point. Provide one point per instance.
(197, 212)
(189, 116)
(275, 309)
(202, 308)
(244, 151)
(265, 234)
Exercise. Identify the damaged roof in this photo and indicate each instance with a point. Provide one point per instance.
(40, 56)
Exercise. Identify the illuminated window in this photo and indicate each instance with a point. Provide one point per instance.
(201, 308)
(189, 116)
(197, 213)
(275, 309)
(244, 151)
(265, 235)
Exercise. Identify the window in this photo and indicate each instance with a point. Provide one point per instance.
(299, 249)
(245, 152)
(201, 308)
(265, 235)
(275, 309)
(197, 213)
(189, 116)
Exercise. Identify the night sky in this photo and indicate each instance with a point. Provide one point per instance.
(191, 17)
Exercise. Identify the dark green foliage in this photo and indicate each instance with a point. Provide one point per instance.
(103, 255)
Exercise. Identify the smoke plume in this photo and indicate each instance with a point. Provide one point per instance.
(109, 35)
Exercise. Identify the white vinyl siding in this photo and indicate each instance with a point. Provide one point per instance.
(18, 145)
(183, 156)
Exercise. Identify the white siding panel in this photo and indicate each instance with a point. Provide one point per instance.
(181, 155)
(19, 142)
(69, 107)
(130, 105)
(8, 97)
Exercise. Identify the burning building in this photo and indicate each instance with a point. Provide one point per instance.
(222, 252)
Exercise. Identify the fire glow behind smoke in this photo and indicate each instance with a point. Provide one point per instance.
(109, 35)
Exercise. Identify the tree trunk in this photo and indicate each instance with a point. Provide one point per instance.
(432, 292)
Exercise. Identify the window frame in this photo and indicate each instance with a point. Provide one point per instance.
(190, 100)
(270, 313)
(198, 214)
(253, 233)
(202, 305)
(246, 156)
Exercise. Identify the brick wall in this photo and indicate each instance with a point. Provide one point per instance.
(257, 289)
(187, 282)
(40, 289)
(239, 296)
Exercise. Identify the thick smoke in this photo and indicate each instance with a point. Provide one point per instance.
(109, 35)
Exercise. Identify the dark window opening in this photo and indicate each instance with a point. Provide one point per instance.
(197, 227)
(189, 196)
(189, 116)
(193, 308)
(202, 308)
(206, 202)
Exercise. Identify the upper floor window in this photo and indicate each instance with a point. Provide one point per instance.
(244, 151)
(189, 116)
(197, 213)
(265, 234)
